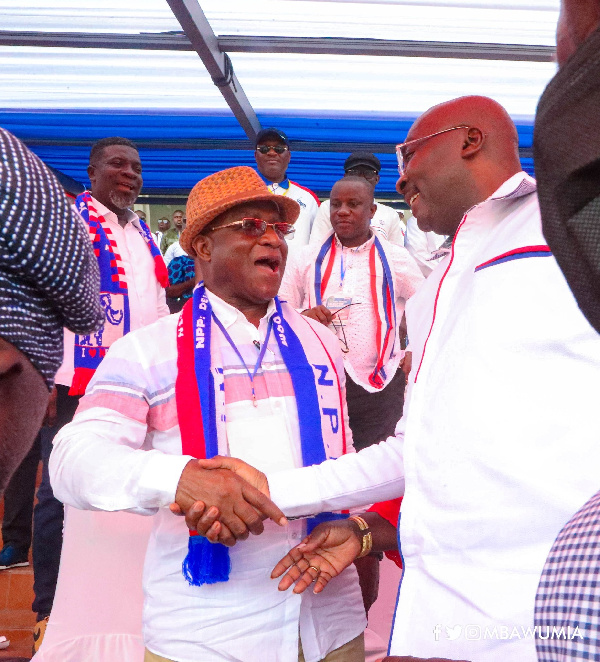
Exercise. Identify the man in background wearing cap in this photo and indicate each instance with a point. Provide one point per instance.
(272, 154)
(385, 221)
(267, 385)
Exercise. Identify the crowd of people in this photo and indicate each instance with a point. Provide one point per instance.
(219, 404)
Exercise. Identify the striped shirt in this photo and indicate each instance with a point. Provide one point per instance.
(49, 276)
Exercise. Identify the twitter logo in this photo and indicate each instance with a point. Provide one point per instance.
(453, 633)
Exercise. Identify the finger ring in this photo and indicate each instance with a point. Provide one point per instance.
(314, 568)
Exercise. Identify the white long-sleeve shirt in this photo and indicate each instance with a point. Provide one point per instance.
(359, 329)
(123, 451)
(422, 246)
(147, 301)
(385, 222)
(309, 205)
(499, 443)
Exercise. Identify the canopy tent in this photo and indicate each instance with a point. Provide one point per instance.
(335, 75)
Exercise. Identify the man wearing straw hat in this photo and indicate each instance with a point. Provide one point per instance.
(241, 373)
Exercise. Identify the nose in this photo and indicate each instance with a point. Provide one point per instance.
(129, 171)
(401, 183)
(270, 238)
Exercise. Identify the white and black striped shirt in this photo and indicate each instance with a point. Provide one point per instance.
(49, 276)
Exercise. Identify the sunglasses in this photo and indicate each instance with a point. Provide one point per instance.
(278, 149)
(405, 151)
(256, 227)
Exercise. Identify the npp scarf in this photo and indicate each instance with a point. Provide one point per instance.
(318, 395)
(91, 349)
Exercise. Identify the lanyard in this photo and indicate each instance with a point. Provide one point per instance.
(342, 268)
(252, 374)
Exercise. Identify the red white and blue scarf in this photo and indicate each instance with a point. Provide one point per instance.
(382, 293)
(208, 563)
(91, 349)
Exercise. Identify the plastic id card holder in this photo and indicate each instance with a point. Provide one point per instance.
(263, 442)
(341, 304)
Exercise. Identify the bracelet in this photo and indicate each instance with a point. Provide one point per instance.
(366, 535)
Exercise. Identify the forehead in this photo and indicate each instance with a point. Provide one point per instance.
(430, 122)
(346, 188)
(178, 213)
(120, 152)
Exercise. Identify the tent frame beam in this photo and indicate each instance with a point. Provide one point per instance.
(211, 47)
(204, 41)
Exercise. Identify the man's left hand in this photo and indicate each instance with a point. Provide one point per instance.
(322, 555)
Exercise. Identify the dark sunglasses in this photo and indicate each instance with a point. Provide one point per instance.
(278, 149)
(256, 227)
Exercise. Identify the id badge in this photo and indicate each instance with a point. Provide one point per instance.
(339, 303)
(262, 441)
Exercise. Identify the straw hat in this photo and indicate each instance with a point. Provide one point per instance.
(226, 189)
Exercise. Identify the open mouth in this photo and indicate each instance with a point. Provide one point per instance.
(412, 199)
(272, 263)
(127, 187)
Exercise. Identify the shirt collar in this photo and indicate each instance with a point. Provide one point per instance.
(132, 217)
(285, 184)
(356, 249)
(516, 186)
(228, 314)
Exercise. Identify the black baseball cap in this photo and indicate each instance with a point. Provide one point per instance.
(362, 159)
(272, 133)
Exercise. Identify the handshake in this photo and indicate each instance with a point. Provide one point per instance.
(224, 499)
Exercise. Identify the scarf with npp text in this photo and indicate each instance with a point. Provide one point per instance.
(382, 293)
(91, 349)
(319, 400)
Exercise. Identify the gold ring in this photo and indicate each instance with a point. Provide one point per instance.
(314, 568)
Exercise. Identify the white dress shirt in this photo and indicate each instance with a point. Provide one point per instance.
(173, 251)
(359, 329)
(423, 246)
(385, 222)
(498, 445)
(309, 205)
(128, 456)
(147, 300)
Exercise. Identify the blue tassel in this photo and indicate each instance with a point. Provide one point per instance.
(206, 563)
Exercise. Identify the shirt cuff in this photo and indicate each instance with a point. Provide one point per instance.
(295, 491)
(160, 478)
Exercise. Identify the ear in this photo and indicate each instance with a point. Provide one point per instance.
(90, 171)
(473, 142)
(373, 210)
(202, 248)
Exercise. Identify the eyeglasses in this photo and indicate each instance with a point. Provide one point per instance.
(256, 227)
(405, 151)
(278, 149)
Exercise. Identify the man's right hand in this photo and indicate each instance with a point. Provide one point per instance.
(320, 313)
(241, 507)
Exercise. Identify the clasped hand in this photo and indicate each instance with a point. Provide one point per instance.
(224, 499)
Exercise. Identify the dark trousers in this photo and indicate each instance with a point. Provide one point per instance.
(17, 523)
(48, 515)
(373, 416)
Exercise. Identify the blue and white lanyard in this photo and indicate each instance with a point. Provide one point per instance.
(252, 374)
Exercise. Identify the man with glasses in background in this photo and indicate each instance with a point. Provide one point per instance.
(386, 221)
(272, 154)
